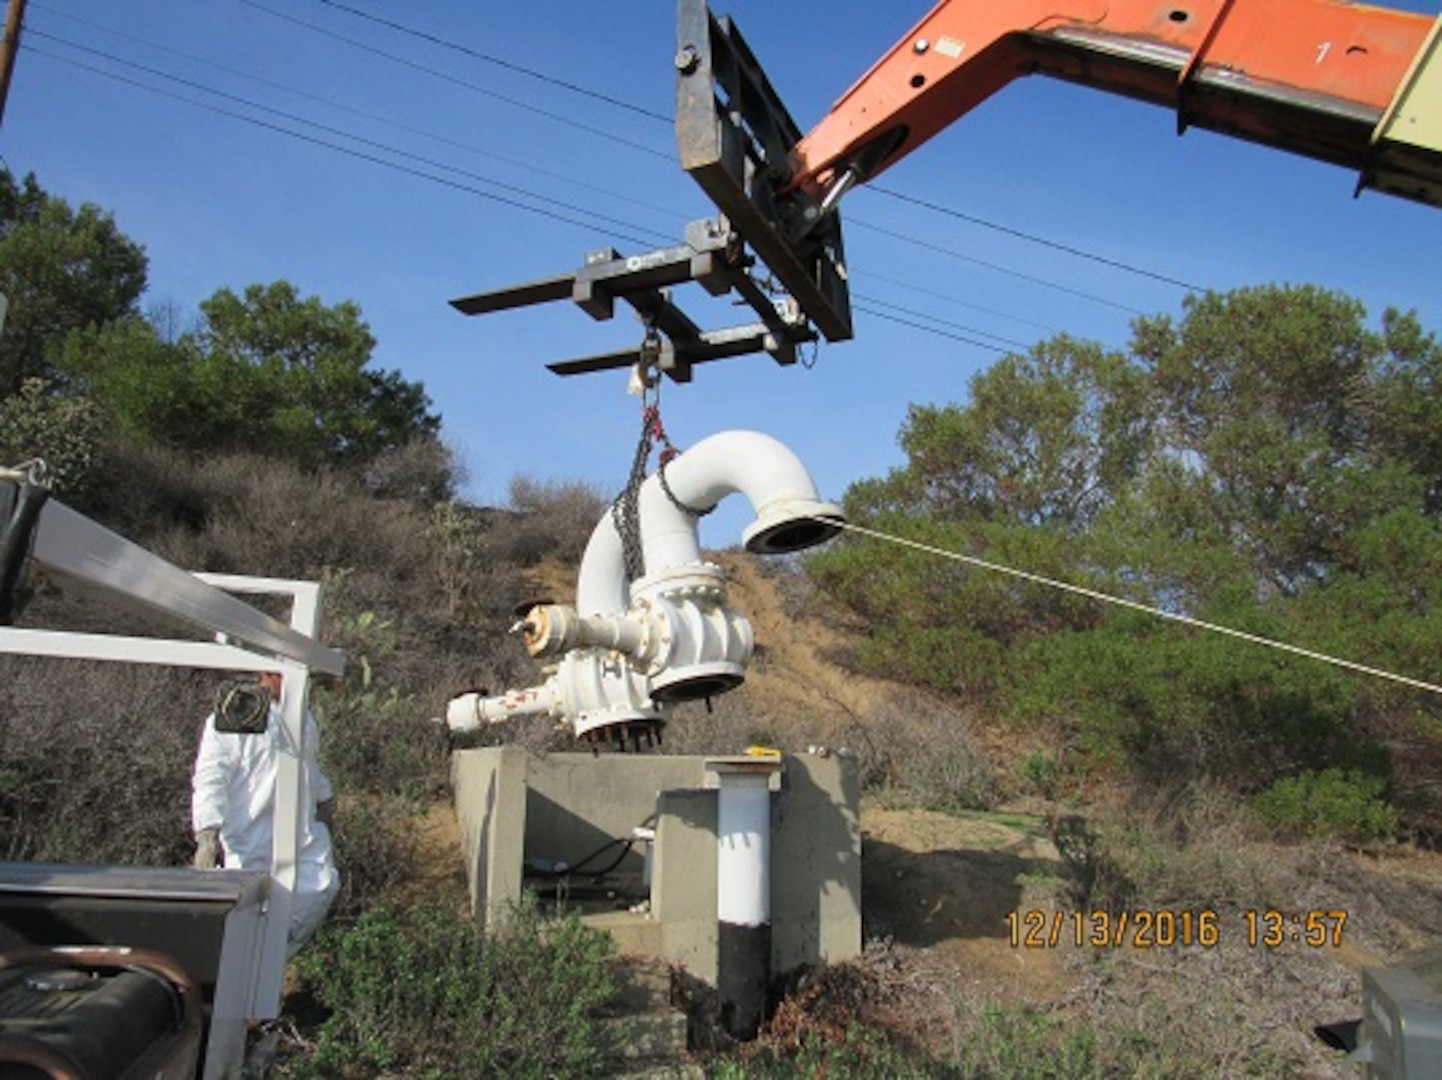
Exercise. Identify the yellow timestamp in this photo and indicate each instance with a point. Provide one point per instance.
(1164, 928)
(1313, 927)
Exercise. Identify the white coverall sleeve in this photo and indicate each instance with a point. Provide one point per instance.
(210, 781)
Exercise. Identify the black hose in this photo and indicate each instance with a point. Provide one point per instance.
(578, 867)
(15, 547)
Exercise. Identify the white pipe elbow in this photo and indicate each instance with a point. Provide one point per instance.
(790, 515)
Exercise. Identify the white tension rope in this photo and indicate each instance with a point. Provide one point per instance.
(1093, 594)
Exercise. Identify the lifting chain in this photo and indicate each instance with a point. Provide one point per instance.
(626, 509)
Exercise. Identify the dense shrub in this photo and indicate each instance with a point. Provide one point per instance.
(554, 520)
(413, 991)
(63, 430)
(921, 750)
(1333, 804)
(95, 761)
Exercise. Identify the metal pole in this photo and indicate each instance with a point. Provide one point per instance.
(14, 19)
(743, 897)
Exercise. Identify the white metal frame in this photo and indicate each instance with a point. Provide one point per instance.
(264, 997)
(247, 639)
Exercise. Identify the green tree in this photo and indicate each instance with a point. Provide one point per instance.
(1046, 439)
(266, 372)
(1266, 445)
(61, 270)
(1017, 476)
(1266, 463)
(1404, 409)
(292, 375)
(152, 389)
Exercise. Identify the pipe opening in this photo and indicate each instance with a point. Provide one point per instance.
(712, 684)
(793, 535)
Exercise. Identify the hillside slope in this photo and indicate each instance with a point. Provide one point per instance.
(943, 892)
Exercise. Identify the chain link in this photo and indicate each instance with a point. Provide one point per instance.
(626, 509)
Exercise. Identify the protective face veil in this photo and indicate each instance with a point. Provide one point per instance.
(242, 707)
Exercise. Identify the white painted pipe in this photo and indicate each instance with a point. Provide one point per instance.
(749, 463)
(469, 712)
(743, 899)
(743, 853)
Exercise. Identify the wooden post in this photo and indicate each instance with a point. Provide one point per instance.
(14, 19)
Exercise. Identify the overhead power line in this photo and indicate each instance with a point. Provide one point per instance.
(446, 140)
(998, 268)
(926, 328)
(327, 144)
(1003, 344)
(509, 65)
(1160, 613)
(936, 294)
(329, 130)
(891, 193)
(447, 77)
(652, 114)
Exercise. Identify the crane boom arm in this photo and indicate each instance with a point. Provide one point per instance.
(1349, 84)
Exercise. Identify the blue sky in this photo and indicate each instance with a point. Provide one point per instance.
(448, 150)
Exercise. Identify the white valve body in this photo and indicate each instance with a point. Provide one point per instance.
(591, 687)
(627, 649)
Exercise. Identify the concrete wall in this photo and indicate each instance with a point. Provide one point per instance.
(492, 818)
(815, 863)
(514, 806)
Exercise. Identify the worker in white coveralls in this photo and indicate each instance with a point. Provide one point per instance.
(232, 805)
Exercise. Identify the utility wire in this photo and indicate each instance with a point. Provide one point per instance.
(654, 115)
(891, 193)
(1133, 605)
(929, 246)
(589, 128)
(509, 65)
(861, 307)
(1003, 341)
(376, 118)
(292, 118)
(374, 159)
(937, 295)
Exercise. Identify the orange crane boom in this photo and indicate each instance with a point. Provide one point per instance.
(1344, 83)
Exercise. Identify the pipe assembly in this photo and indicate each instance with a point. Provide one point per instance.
(630, 649)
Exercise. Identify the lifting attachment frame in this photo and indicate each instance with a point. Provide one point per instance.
(733, 135)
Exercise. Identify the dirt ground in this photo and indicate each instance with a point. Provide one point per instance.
(941, 887)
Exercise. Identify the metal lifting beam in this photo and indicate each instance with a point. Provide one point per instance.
(733, 135)
(71, 546)
(709, 257)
